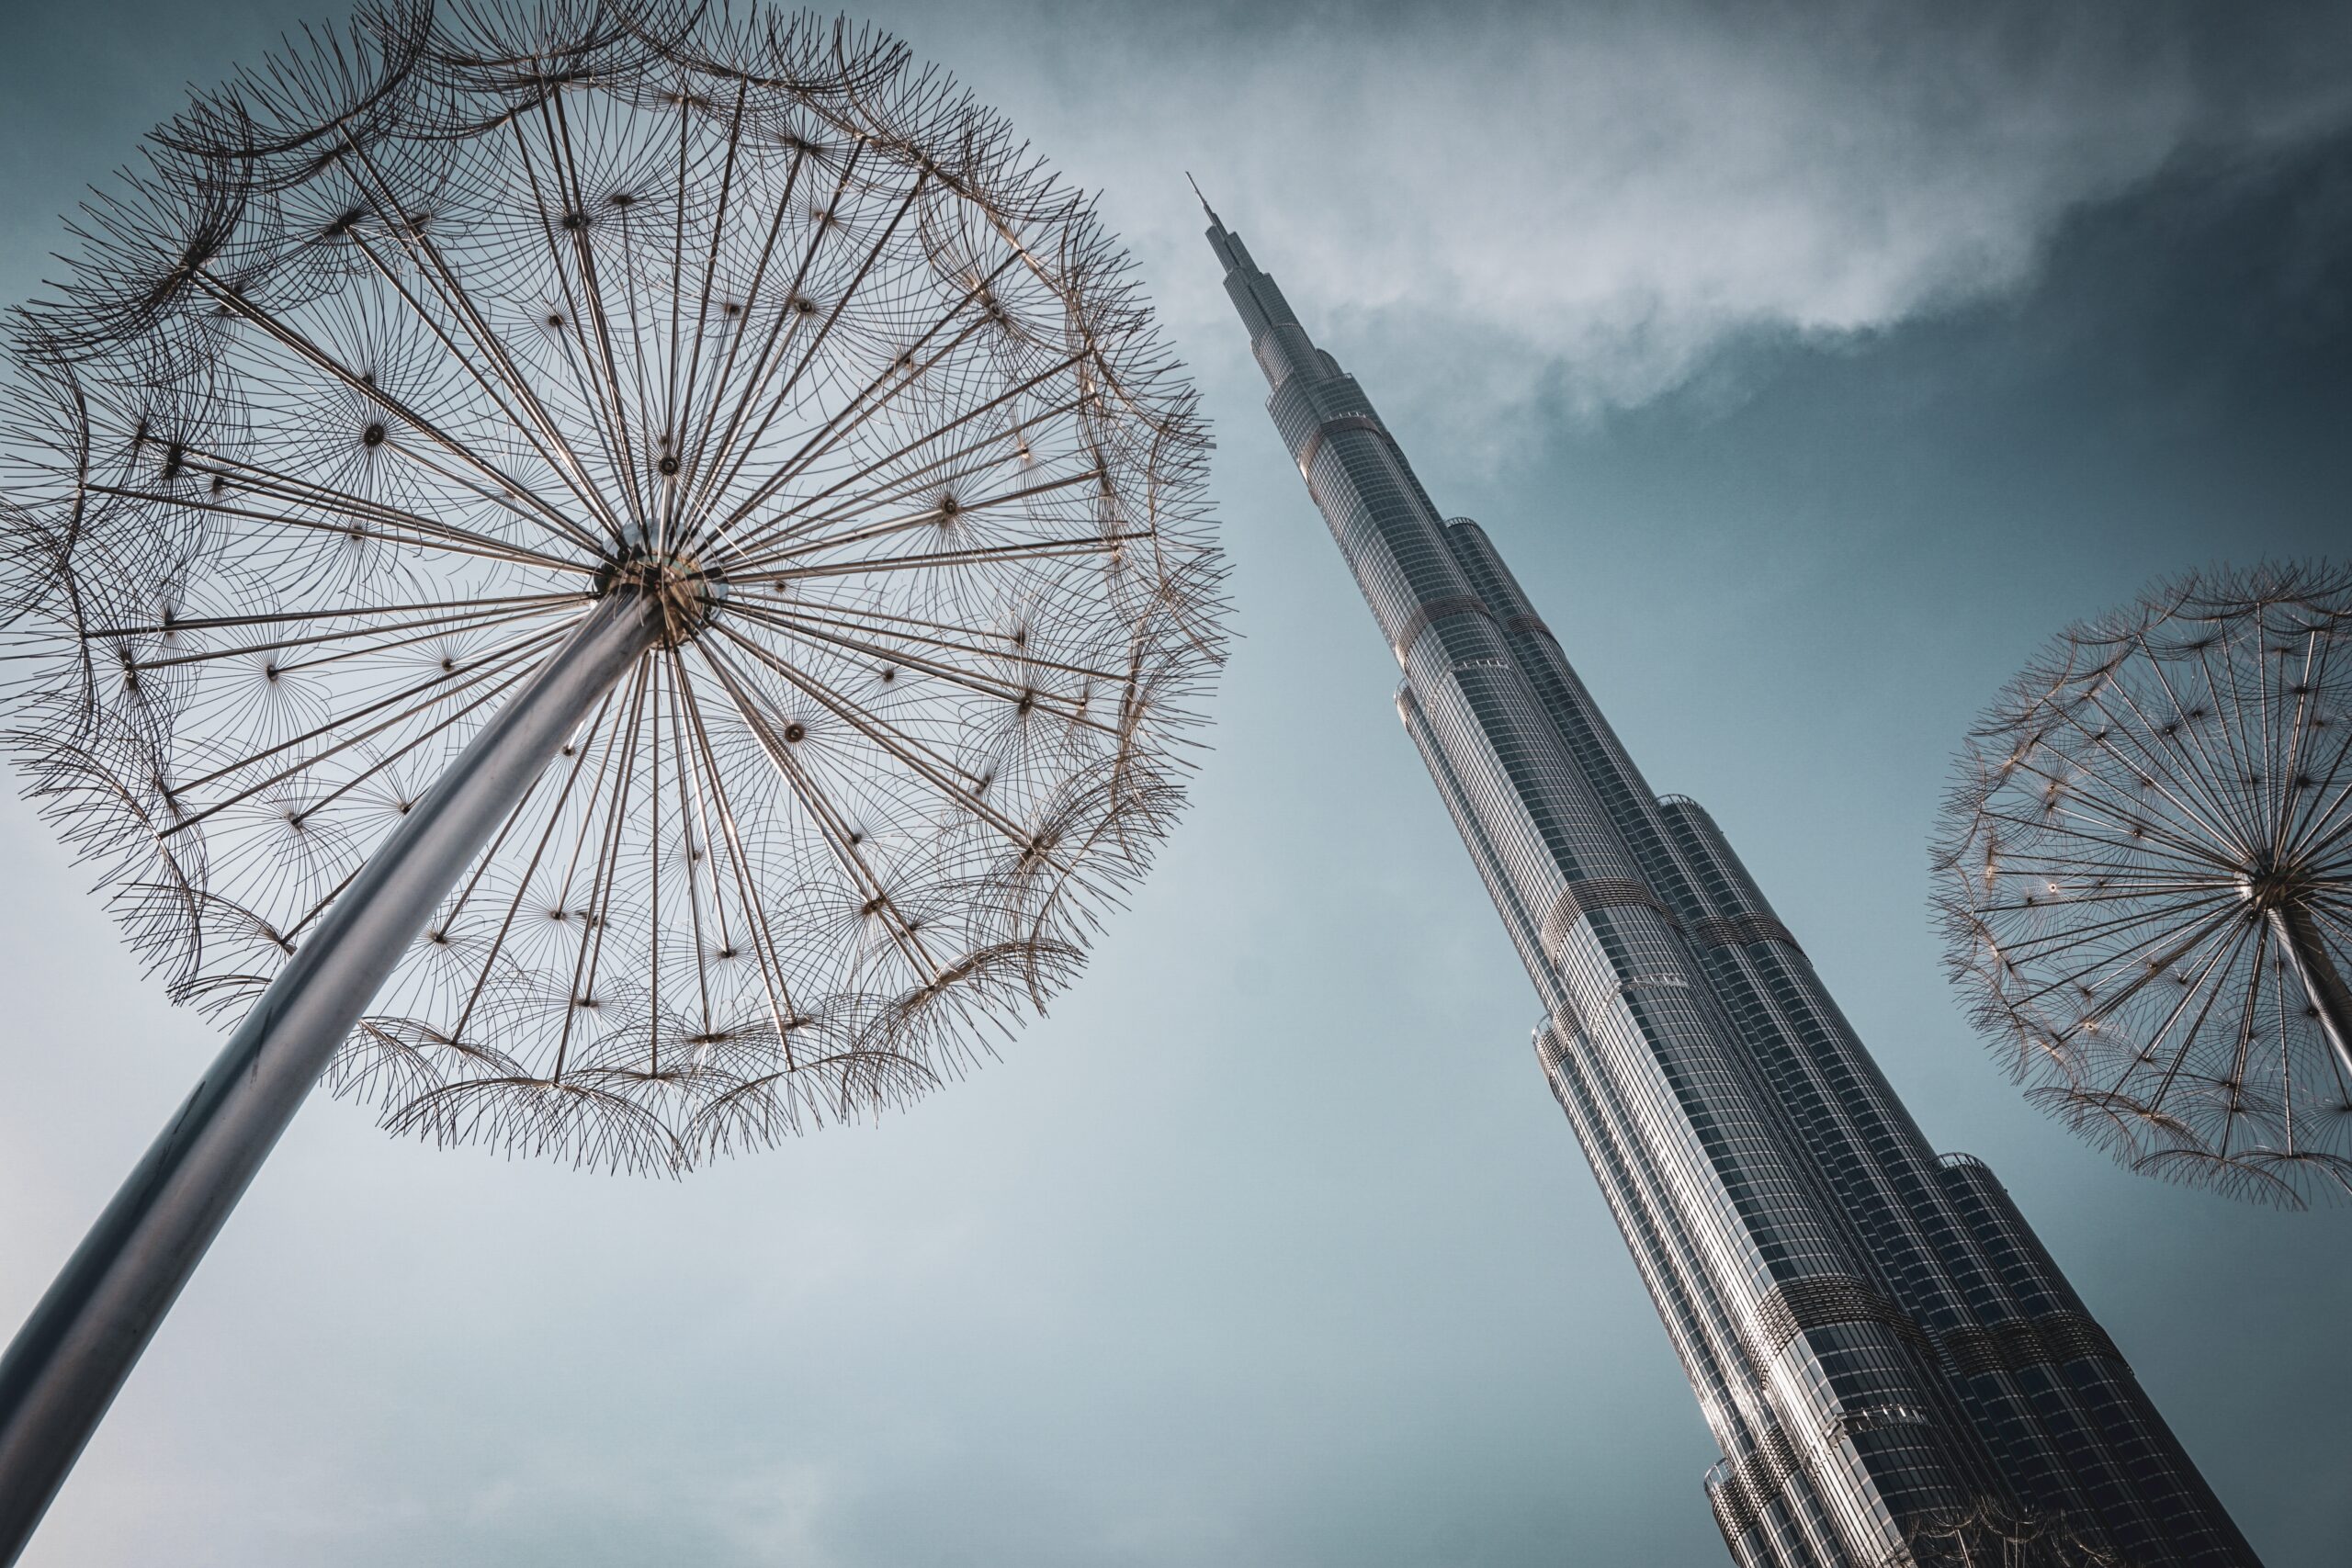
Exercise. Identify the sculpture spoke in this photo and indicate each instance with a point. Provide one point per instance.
(284, 333)
(789, 318)
(792, 380)
(949, 512)
(596, 907)
(416, 630)
(580, 748)
(484, 356)
(769, 487)
(1022, 697)
(1025, 550)
(945, 778)
(814, 619)
(710, 779)
(908, 370)
(502, 663)
(838, 835)
(905, 483)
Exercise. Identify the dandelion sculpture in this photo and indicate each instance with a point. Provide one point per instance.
(2146, 880)
(624, 583)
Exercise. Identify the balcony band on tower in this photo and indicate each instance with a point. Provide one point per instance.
(1883, 1352)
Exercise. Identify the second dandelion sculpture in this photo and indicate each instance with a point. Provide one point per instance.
(625, 583)
(2146, 878)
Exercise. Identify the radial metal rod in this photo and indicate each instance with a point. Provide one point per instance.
(72, 1354)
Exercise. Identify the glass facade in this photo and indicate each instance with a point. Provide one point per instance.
(1884, 1353)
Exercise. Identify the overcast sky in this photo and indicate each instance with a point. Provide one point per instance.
(1811, 363)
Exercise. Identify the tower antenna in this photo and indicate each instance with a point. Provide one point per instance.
(1203, 201)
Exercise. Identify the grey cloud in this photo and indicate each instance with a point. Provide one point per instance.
(1601, 196)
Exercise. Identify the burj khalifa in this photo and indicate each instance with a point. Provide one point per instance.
(1894, 1368)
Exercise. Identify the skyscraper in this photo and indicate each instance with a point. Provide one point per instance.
(1885, 1354)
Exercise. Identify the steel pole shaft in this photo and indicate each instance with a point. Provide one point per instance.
(80, 1343)
(2331, 999)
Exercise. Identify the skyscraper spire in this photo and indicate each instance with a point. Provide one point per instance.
(1205, 200)
(1885, 1355)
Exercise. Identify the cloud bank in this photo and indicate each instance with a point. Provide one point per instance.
(1597, 199)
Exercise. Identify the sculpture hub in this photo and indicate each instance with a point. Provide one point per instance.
(2269, 884)
(688, 592)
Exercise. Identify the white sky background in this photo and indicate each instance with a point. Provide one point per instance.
(1269, 1247)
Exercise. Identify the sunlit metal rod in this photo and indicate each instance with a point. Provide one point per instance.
(2331, 999)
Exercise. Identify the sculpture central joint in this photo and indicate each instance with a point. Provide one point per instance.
(687, 590)
(2268, 884)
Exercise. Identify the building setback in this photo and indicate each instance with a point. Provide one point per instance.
(1884, 1351)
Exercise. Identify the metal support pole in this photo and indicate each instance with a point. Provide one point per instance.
(72, 1354)
(2325, 989)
